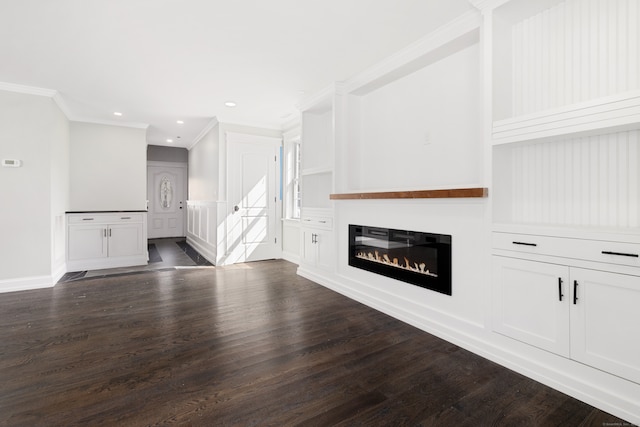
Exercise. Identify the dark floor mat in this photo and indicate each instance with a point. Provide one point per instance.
(154, 255)
(74, 275)
(193, 254)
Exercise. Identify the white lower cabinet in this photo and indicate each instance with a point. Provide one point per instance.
(605, 317)
(588, 315)
(317, 248)
(106, 240)
(530, 302)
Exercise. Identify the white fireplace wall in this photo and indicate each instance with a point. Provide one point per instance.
(464, 220)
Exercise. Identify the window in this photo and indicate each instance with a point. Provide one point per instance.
(295, 181)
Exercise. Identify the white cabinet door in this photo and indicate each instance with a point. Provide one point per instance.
(308, 247)
(531, 303)
(325, 252)
(87, 242)
(317, 248)
(125, 240)
(605, 319)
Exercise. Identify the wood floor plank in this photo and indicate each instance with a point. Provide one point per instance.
(251, 344)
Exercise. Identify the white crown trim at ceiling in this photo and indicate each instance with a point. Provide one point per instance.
(62, 105)
(133, 125)
(487, 4)
(29, 90)
(203, 132)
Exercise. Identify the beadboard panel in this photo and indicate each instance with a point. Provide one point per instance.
(589, 181)
(573, 52)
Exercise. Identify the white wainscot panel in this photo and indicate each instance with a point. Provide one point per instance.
(201, 227)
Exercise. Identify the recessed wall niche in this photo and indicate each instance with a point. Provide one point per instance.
(419, 131)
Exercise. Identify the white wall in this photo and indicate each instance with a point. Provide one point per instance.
(203, 167)
(33, 130)
(59, 139)
(422, 131)
(108, 168)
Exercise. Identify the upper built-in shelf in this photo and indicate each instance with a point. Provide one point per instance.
(316, 170)
(605, 115)
(419, 194)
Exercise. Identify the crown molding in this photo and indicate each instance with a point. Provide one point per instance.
(449, 38)
(292, 133)
(212, 123)
(133, 125)
(292, 123)
(483, 5)
(62, 105)
(321, 100)
(29, 90)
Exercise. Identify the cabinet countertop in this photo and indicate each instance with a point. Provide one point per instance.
(94, 212)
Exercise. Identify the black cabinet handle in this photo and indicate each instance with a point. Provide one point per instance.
(560, 288)
(524, 243)
(620, 254)
(575, 292)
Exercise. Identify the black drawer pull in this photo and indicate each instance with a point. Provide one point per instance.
(575, 292)
(125, 217)
(524, 243)
(560, 295)
(620, 254)
(87, 219)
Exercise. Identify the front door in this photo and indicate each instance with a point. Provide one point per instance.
(166, 192)
(251, 227)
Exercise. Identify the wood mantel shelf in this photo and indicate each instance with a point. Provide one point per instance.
(450, 193)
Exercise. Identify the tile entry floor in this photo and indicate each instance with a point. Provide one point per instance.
(164, 254)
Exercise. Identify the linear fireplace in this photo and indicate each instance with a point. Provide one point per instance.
(422, 259)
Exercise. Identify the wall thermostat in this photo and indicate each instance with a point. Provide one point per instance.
(11, 163)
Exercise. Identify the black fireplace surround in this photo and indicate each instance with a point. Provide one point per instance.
(422, 259)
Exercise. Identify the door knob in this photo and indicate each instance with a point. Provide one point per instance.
(236, 208)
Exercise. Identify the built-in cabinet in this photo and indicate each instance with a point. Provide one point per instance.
(317, 183)
(318, 250)
(564, 145)
(106, 240)
(587, 314)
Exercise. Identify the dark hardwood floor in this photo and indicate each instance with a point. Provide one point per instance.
(246, 345)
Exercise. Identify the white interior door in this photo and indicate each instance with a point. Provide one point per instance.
(251, 226)
(166, 193)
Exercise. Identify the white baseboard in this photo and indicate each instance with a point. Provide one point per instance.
(205, 249)
(26, 283)
(597, 388)
(102, 263)
(291, 257)
(58, 272)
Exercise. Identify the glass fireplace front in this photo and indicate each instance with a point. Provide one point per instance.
(422, 259)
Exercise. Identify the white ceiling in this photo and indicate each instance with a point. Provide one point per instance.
(158, 61)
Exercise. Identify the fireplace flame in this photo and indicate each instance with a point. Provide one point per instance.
(384, 259)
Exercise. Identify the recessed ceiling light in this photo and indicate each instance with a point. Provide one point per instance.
(180, 122)
(169, 140)
(117, 113)
(230, 104)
